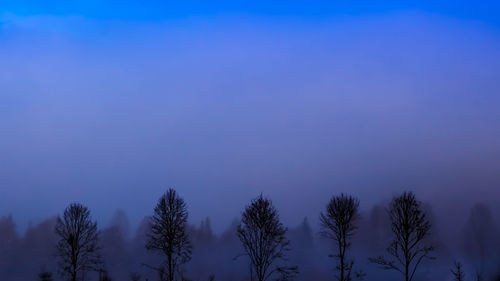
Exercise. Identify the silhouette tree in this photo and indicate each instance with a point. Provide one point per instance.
(302, 239)
(338, 223)
(120, 221)
(410, 227)
(38, 243)
(168, 234)
(458, 272)
(10, 244)
(204, 235)
(263, 238)
(306, 233)
(77, 248)
(480, 238)
(117, 252)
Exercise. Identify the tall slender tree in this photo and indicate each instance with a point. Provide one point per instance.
(338, 223)
(410, 228)
(77, 248)
(168, 235)
(263, 238)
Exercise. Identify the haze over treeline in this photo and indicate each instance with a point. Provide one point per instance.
(237, 105)
(109, 103)
(474, 240)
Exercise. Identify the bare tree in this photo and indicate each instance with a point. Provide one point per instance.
(168, 234)
(338, 223)
(458, 272)
(263, 238)
(410, 227)
(77, 248)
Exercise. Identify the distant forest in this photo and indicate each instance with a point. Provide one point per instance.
(399, 240)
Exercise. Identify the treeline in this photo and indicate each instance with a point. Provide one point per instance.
(399, 237)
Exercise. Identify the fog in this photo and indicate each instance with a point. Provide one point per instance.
(111, 113)
(475, 244)
(372, 105)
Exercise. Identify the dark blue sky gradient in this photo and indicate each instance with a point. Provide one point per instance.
(110, 104)
(146, 10)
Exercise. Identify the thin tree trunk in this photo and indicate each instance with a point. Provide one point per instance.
(342, 258)
(170, 268)
(406, 271)
(341, 265)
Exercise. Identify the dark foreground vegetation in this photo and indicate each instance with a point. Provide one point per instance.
(395, 242)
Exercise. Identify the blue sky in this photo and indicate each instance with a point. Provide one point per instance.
(484, 11)
(123, 100)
